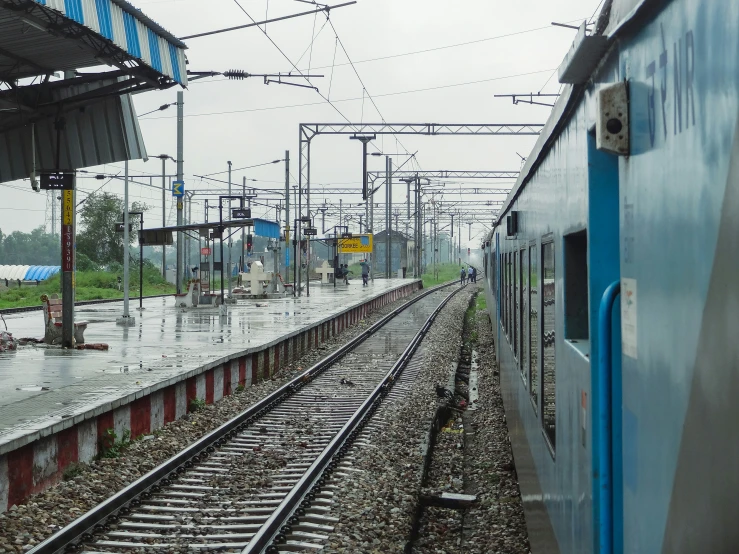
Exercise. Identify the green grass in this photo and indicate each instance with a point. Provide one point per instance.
(480, 303)
(90, 285)
(444, 274)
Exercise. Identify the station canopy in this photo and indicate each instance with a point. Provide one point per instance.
(86, 118)
(262, 228)
(39, 37)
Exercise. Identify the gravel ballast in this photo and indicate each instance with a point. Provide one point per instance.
(41, 515)
(376, 505)
(496, 523)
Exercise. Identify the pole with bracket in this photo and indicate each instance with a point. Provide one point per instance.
(388, 216)
(179, 274)
(126, 320)
(229, 237)
(287, 216)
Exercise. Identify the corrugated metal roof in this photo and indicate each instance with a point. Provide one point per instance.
(28, 272)
(105, 132)
(30, 46)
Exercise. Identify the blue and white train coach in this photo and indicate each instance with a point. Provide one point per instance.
(613, 284)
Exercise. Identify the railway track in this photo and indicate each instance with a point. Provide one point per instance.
(260, 483)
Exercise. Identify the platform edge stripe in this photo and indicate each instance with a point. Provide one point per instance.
(251, 364)
(122, 420)
(241, 380)
(87, 440)
(180, 399)
(45, 466)
(67, 447)
(141, 416)
(227, 388)
(156, 410)
(200, 387)
(208, 381)
(218, 384)
(4, 483)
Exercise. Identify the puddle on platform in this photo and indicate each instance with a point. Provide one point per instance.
(32, 388)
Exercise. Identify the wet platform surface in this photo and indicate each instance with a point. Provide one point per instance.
(42, 385)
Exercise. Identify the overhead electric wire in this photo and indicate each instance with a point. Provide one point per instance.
(398, 93)
(456, 45)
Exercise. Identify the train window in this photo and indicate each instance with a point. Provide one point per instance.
(549, 374)
(576, 285)
(509, 296)
(505, 292)
(514, 304)
(534, 327)
(523, 317)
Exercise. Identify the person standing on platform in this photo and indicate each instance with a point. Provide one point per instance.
(365, 272)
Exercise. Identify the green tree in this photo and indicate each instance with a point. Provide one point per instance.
(98, 239)
(34, 248)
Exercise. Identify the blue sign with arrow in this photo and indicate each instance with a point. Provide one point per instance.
(178, 189)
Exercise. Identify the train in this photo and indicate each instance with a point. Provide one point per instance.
(612, 284)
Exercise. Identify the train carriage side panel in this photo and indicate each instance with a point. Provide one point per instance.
(549, 430)
(680, 297)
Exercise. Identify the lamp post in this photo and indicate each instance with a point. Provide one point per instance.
(164, 158)
(141, 259)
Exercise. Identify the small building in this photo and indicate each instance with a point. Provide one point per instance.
(401, 252)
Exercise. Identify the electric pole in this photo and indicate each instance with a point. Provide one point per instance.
(180, 200)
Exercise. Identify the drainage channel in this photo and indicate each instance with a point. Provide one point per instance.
(444, 496)
(236, 484)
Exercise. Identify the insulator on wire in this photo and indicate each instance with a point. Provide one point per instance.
(238, 74)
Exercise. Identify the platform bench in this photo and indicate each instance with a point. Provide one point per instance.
(53, 321)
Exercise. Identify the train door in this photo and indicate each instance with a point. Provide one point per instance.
(604, 274)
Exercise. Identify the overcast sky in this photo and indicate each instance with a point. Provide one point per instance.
(513, 49)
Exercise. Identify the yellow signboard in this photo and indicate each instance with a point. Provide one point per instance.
(67, 207)
(358, 244)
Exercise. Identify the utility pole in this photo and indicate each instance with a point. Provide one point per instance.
(417, 228)
(180, 200)
(53, 213)
(188, 250)
(287, 216)
(243, 229)
(164, 214)
(68, 233)
(371, 230)
(388, 216)
(230, 242)
(459, 234)
(126, 320)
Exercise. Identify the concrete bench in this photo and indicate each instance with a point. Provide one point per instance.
(190, 298)
(53, 321)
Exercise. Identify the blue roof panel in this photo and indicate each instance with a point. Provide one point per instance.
(107, 13)
(265, 228)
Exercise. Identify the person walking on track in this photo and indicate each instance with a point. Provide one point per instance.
(463, 276)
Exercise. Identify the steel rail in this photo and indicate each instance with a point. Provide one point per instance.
(275, 529)
(94, 520)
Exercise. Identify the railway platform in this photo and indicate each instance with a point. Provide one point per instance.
(56, 404)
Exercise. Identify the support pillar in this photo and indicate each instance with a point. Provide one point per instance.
(68, 265)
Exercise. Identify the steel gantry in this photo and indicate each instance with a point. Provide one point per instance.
(308, 131)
